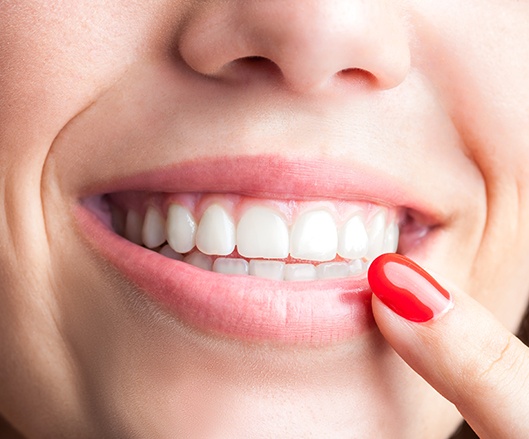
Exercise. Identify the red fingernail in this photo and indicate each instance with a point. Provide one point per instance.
(407, 289)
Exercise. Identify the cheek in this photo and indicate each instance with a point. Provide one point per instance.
(477, 60)
(56, 58)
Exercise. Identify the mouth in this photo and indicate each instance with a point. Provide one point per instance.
(274, 239)
(276, 258)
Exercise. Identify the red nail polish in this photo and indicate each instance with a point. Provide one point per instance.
(407, 289)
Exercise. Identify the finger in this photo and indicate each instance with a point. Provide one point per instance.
(455, 344)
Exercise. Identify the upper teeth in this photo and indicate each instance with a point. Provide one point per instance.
(271, 241)
(315, 233)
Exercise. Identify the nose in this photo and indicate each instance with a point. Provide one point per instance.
(310, 43)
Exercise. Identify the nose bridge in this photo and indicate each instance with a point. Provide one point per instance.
(310, 41)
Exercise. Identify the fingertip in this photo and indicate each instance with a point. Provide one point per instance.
(396, 330)
(407, 289)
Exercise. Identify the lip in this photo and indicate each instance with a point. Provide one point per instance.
(249, 308)
(271, 176)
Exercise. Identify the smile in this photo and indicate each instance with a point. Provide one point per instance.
(274, 239)
(249, 260)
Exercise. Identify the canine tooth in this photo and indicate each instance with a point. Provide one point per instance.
(391, 238)
(314, 237)
(168, 252)
(153, 232)
(267, 269)
(199, 260)
(133, 226)
(333, 270)
(376, 231)
(262, 233)
(216, 232)
(353, 241)
(181, 228)
(300, 272)
(230, 266)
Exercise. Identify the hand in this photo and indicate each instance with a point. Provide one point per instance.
(456, 345)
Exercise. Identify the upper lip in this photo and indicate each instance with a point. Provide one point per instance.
(273, 177)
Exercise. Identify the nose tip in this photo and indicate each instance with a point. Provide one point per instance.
(312, 43)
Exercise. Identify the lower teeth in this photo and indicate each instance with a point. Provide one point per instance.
(270, 269)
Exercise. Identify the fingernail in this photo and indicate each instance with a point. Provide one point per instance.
(407, 289)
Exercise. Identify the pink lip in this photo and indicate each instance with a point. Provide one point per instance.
(248, 308)
(270, 176)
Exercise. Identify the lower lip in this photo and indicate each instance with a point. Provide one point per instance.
(312, 313)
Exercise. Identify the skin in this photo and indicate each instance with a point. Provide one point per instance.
(439, 90)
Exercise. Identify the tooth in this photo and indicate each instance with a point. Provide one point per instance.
(262, 233)
(216, 232)
(133, 226)
(153, 232)
(267, 269)
(391, 238)
(199, 260)
(168, 252)
(230, 266)
(376, 231)
(353, 240)
(357, 267)
(181, 228)
(333, 270)
(314, 237)
(300, 272)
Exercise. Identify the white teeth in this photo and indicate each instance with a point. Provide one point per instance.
(153, 232)
(199, 260)
(353, 241)
(376, 232)
(262, 233)
(357, 267)
(275, 270)
(300, 272)
(264, 241)
(391, 238)
(267, 269)
(333, 270)
(230, 266)
(133, 226)
(216, 232)
(314, 237)
(181, 228)
(168, 252)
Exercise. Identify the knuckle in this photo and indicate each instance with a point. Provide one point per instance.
(504, 365)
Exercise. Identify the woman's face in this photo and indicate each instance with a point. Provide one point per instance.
(297, 132)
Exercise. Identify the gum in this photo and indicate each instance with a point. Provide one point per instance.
(236, 205)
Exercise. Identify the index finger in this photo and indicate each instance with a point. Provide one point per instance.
(456, 345)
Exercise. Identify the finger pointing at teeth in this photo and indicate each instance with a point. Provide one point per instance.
(456, 345)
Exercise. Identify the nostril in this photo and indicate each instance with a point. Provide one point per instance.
(254, 60)
(252, 67)
(357, 75)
